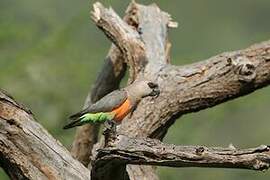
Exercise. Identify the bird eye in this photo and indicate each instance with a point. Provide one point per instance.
(152, 85)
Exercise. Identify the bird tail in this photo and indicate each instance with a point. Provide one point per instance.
(77, 119)
(73, 124)
(74, 117)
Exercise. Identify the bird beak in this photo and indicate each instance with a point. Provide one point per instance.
(155, 92)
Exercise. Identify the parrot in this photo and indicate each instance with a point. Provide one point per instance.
(115, 106)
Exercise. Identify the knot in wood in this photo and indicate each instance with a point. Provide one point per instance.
(244, 68)
(267, 58)
(199, 151)
(260, 165)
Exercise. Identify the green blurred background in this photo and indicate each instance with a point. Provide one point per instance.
(50, 53)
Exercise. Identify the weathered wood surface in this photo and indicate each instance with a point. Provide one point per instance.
(28, 151)
(148, 151)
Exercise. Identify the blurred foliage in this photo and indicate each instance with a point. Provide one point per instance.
(50, 53)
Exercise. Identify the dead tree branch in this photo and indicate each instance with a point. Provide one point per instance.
(122, 35)
(202, 85)
(148, 151)
(28, 151)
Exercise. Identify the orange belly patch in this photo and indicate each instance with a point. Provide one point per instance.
(122, 111)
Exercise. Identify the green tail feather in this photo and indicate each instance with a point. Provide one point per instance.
(89, 118)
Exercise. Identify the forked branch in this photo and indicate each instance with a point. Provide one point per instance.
(28, 151)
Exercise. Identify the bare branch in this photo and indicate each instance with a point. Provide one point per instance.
(123, 36)
(27, 151)
(153, 152)
(152, 24)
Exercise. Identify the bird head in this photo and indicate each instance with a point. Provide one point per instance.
(145, 88)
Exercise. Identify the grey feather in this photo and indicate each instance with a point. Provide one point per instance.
(109, 102)
(105, 104)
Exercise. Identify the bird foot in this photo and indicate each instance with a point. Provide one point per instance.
(110, 125)
(109, 132)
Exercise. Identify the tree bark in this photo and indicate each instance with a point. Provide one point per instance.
(148, 151)
(27, 151)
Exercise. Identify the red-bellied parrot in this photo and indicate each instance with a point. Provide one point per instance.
(116, 105)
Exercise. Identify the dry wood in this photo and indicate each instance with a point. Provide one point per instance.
(27, 151)
(148, 151)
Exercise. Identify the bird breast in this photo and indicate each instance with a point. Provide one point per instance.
(121, 111)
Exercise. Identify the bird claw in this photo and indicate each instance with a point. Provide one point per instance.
(110, 125)
(109, 132)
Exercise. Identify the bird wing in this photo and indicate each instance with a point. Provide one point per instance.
(109, 102)
(106, 104)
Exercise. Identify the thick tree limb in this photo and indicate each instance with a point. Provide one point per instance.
(27, 151)
(202, 85)
(196, 86)
(153, 152)
(153, 27)
(123, 36)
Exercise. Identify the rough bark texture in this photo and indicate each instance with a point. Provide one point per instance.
(28, 151)
(199, 86)
(123, 36)
(153, 152)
